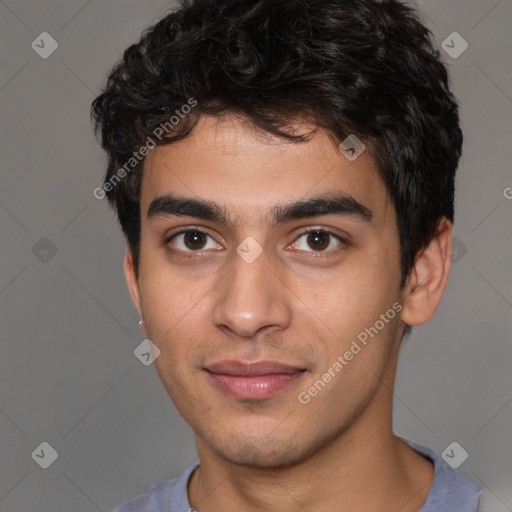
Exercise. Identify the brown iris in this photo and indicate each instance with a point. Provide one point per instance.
(194, 239)
(318, 240)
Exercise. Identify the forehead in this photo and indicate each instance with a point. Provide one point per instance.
(249, 171)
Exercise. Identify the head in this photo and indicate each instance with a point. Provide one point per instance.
(226, 119)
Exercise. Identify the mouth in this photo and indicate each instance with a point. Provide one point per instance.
(253, 381)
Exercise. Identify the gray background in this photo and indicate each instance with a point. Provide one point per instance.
(68, 374)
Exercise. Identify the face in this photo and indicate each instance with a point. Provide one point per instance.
(281, 257)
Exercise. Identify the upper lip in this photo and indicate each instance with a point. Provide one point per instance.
(239, 368)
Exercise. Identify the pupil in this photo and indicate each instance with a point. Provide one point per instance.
(318, 240)
(193, 239)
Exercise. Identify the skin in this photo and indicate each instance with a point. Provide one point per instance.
(293, 304)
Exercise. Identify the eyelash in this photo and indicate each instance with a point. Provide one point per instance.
(324, 254)
(315, 254)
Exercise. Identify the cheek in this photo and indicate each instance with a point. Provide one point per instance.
(354, 305)
(178, 337)
(360, 295)
(166, 295)
(176, 312)
(354, 365)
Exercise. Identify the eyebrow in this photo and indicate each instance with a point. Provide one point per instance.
(327, 204)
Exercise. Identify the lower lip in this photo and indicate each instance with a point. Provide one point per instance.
(256, 387)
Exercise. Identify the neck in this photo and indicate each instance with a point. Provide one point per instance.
(363, 468)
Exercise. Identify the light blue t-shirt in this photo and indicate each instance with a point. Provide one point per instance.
(449, 492)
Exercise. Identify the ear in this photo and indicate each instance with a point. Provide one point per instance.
(133, 282)
(427, 281)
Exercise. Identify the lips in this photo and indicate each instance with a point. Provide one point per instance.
(252, 381)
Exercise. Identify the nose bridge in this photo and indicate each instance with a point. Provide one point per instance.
(252, 296)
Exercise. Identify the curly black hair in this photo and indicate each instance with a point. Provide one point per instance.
(360, 67)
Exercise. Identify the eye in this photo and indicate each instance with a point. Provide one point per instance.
(317, 240)
(192, 240)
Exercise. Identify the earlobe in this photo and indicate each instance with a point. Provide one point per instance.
(132, 282)
(427, 280)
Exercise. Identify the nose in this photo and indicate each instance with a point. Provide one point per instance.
(252, 298)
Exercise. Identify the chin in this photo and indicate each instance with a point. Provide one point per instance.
(260, 455)
(263, 451)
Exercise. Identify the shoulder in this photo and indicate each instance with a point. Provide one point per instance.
(166, 496)
(157, 499)
(450, 491)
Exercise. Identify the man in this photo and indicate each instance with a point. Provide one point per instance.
(283, 171)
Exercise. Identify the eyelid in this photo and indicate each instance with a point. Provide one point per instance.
(323, 230)
(343, 240)
(183, 230)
